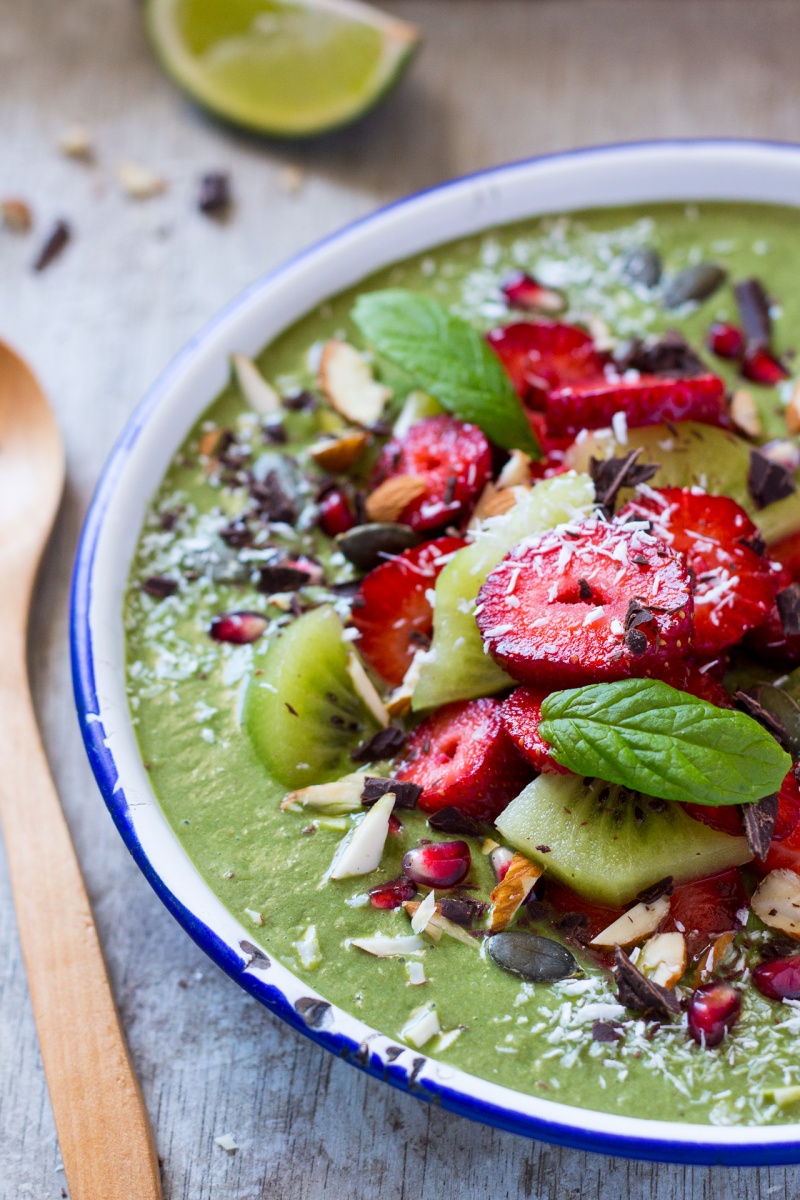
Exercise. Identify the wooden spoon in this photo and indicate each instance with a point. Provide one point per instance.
(103, 1128)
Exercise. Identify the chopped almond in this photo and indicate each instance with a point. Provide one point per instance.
(366, 689)
(516, 472)
(139, 181)
(16, 215)
(744, 414)
(712, 957)
(76, 142)
(634, 925)
(348, 383)
(512, 890)
(776, 901)
(340, 796)
(663, 958)
(209, 442)
(392, 496)
(495, 502)
(340, 453)
(793, 410)
(260, 395)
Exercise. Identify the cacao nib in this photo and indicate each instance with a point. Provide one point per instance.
(53, 247)
(274, 433)
(299, 401)
(160, 586)
(386, 743)
(670, 355)
(278, 578)
(214, 198)
(641, 994)
(575, 927)
(462, 910)
(406, 794)
(759, 824)
(612, 474)
(604, 1031)
(453, 820)
(788, 601)
(271, 500)
(768, 481)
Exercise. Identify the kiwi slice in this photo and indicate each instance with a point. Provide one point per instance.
(456, 667)
(609, 843)
(693, 455)
(301, 711)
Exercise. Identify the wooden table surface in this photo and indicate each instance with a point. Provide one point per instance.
(498, 79)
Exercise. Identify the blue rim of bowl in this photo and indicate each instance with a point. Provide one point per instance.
(560, 1132)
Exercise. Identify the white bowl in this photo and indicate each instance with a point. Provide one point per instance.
(615, 175)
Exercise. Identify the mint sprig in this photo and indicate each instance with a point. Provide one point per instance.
(445, 356)
(650, 737)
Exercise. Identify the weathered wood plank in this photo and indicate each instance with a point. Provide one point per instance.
(498, 79)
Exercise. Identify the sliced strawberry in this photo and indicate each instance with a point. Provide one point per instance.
(782, 853)
(705, 680)
(787, 552)
(727, 818)
(392, 610)
(568, 903)
(586, 604)
(701, 911)
(733, 585)
(463, 758)
(646, 400)
(788, 808)
(540, 355)
(455, 460)
(521, 713)
(769, 644)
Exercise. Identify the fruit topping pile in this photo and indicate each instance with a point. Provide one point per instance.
(551, 621)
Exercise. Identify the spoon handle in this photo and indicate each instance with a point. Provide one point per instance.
(103, 1128)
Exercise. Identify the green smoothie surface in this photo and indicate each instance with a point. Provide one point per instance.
(266, 864)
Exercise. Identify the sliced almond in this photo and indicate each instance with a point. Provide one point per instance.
(634, 925)
(663, 958)
(425, 910)
(744, 414)
(392, 496)
(412, 907)
(139, 181)
(516, 472)
(421, 1026)
(793, 410)
(347, 381)
(341, 796)
(209, 442)
(776, 901)
(340, 453)
(260, 395)
(399, 703)
(76, 142)
(362, 849)
(512, 891)
(712, 957)
(382, 946)
(366, 689)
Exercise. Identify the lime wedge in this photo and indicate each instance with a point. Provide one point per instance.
(289, 68)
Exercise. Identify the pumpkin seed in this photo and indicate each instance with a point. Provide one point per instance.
(695, 283)
(642, 265)
(366, 546)
(533, 957)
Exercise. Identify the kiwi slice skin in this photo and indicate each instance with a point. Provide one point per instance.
(300, 711)
(609, 843)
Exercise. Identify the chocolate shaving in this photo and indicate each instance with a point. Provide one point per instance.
(751, 706)
(656, 890)
(214, 198)
(54, 245)
(160, 586)
(640, 994)
(543, 849)
(462, 911)
(759, 824)
(788, 601)
(636, 641)
(575, 927)
(272, 501)
(753, 305)
(755, 543)
(585, 591)
(602, 1031)
(299, 401)
(670, 355)
(386, 743)
(768, 481)
(612, 474)
(277, 578)
(237, 535)
(453, 820)
(638, 614)
(406, 794)
(274, 432)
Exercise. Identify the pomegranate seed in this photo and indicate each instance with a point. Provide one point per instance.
(395, 824)
(392, 893)
(238, 627)
(713, 1010)
(335, 514)
(761, 366)
(523, 291)
(500, 860)
(726, 341)
(779, 979)
(438, 864)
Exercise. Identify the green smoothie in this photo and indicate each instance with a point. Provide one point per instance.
(267, 864)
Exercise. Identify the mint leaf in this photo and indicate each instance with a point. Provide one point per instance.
(445, 356)
(651, 737)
